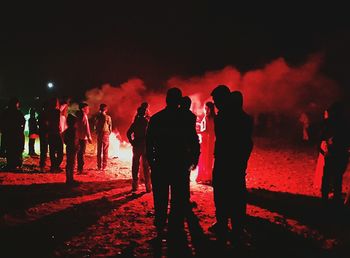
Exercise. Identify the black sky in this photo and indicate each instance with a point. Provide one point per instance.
(81, 46)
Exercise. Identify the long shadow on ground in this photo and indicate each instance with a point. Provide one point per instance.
(41, 237)
(17, 198)
(308, 210)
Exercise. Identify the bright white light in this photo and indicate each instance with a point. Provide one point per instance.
(50, 85)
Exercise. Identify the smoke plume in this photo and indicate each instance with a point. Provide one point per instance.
(277, 87)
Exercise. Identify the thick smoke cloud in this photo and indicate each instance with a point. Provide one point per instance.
(277, 87)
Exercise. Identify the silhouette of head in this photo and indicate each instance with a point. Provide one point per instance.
(84, 107)
(186, 102)
(103, 107)
(237, 99)
(173, 97)
(144, 105)
(220, 96)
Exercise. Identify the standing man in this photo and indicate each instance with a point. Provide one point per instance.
(137, 137)
(233, 145)
(54, 136)
(103, 127)
(83, 133)
(13, 129)
(43, 135)
(336, 136)
(172, 147)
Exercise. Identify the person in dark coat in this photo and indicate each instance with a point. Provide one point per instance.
(72, 144)
(33, 132)
(172, 148)
(54, 136)
(13, 130)
(43, 135)
(336, 156)
(233, 146)
(137, 137)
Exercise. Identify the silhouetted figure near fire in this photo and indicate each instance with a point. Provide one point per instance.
(72, 144)
(172, 149)
(83, 132)
(54, 136)
(233, 146)
(206, 161)
(336, 135)
(103, 127)
(43, 135)
(13, 129)
(137, 137)
(191, 119)
(33, 132)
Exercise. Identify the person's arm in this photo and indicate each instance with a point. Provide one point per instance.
(87, 128)
(110, 124)
(129, 133)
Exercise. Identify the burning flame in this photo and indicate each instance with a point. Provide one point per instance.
(119, 149)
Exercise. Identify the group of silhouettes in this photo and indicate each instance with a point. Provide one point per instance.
(54, 127)
(168, 145)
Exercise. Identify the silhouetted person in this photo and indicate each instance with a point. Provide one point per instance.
(54, 136)
(83, 132)
(33, 132)
(137, 137)
(191, 118)
(336, 135)
(13, 129)
(72, 145)
(233, 145)
(205, 167)
(103, 127)
(172, 149)
(43, 135)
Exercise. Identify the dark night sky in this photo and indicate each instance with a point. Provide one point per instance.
(81, 46)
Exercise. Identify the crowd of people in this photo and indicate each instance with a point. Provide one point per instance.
(168, 146)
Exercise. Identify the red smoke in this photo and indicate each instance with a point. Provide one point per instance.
(275, 87)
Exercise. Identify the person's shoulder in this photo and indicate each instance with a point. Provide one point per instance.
(158, 115)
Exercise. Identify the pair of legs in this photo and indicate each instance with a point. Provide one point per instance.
(80, 155)
(55, 151)
(168, 180)
(230, 197)
(71, 154)
(102, 151)
(333, 171)
(139, 153)
(44, 147)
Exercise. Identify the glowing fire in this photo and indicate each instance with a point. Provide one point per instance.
(119, 149)
(193, 175)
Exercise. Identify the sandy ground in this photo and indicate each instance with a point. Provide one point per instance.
(40, 216)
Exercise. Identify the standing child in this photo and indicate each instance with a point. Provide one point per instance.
(72, 143)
